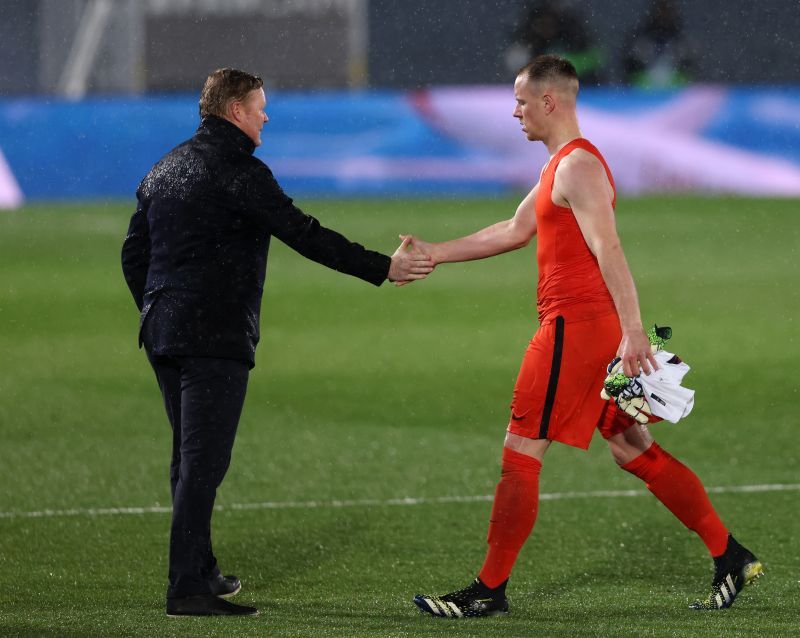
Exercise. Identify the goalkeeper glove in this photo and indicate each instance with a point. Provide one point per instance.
(627, 392)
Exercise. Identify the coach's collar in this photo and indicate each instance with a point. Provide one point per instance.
(220, 128)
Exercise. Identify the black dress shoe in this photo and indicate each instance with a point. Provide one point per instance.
(206, 605)
(224, 586)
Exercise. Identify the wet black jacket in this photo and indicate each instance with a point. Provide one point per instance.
(195, 255)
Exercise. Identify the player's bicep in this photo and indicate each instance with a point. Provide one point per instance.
(523, 223)
(585, 187)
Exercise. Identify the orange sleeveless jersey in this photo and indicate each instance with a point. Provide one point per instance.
(570, 282)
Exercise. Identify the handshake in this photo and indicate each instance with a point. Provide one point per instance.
(654, 397)
(411, 261)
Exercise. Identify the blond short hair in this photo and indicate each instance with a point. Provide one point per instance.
(551, 68)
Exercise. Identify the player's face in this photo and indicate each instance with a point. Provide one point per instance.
(252, 115)
(529, 109)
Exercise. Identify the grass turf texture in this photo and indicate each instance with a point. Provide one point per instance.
(363, 393)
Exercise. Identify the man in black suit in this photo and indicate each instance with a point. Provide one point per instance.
(195, 260)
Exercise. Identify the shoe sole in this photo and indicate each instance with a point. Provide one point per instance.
(208, 615)
(231, 594)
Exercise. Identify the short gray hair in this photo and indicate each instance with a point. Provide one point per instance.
(224, 86)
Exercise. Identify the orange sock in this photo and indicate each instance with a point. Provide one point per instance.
(516, 503)
(679, 489)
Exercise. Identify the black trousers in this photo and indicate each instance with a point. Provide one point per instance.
(203, 398)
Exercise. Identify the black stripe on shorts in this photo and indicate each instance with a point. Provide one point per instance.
(552, 384)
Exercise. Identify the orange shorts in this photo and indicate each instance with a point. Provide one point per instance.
(557, 394)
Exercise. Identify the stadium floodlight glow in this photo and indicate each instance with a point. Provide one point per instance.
(10, 192)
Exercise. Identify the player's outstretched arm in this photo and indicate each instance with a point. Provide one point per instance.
(581, 180)
(498, 238)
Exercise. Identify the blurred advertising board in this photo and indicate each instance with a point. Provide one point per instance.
(439, 141)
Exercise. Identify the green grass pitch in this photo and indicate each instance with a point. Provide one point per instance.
(365, 394)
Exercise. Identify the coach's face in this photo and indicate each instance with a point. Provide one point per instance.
(528, 109)
(250, 115)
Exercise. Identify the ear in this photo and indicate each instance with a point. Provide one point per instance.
(235, 110)
(549, 103)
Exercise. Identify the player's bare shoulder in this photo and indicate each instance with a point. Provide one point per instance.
(579, 174)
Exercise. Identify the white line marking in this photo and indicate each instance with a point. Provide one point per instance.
(375, 502)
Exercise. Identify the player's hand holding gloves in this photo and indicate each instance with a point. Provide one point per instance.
(656, 396)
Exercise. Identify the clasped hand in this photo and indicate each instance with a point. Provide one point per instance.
(409, 263)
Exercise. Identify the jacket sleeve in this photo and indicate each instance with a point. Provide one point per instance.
(275, 213)
(136, 255)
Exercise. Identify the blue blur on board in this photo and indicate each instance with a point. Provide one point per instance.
(441, 141)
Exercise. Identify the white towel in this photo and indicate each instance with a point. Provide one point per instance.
(662, 388)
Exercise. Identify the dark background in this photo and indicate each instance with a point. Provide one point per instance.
(154, 45)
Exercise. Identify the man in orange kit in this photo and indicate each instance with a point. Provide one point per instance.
(588, 313)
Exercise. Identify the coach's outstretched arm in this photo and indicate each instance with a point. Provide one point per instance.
(581, 180)
(498, 238)
(275, 212)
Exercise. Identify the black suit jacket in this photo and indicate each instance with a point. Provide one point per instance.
(195, 255)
